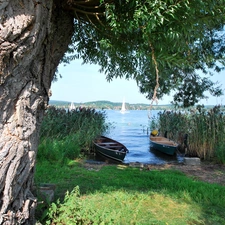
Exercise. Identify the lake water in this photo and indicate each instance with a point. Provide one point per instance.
(132, 129)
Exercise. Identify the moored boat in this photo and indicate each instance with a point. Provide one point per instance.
(163, 144)
(110, 148)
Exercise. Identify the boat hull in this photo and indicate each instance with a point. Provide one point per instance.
(110, 148)
(163, 145)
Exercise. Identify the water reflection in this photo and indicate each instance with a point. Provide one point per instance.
(163, 158)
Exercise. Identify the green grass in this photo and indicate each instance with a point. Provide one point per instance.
(118, 194)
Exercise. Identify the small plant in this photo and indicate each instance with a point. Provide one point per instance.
(73, 211)
(68, 212)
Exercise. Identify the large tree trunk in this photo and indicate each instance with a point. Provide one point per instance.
(34, 35)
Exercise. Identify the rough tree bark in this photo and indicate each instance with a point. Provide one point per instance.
(34, 35)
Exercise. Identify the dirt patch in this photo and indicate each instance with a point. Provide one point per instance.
(93, 165)
(212, 173)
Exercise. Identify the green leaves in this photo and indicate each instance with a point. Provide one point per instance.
(185, 36)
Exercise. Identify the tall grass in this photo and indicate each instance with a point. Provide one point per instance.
(205, 130)
(67, 133)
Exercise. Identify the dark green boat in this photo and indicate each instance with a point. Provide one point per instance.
(110, 148)
(163, 144)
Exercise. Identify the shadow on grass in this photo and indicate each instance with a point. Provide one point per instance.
(105, 179)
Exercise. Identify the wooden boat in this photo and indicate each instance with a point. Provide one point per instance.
(110, 148)
(163, 144)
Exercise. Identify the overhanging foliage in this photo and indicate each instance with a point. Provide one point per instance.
(137, 39)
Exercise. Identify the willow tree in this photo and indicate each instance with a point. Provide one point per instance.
(157, 43)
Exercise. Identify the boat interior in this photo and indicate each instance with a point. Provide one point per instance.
(111, 145)
(163, 141)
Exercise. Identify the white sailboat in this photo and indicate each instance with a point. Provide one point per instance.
(72, 106)
(123, 108)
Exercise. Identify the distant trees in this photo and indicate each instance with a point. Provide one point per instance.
(110, 105)
(157, 43)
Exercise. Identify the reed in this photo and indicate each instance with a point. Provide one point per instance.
(205, 130)
(65, 133)
(59, 122)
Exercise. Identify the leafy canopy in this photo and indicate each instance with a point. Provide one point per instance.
(156, 41)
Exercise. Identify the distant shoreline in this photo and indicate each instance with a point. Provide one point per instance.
(115, 105)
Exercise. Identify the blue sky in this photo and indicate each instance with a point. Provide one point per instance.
(84, 83)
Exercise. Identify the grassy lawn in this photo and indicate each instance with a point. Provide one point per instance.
(118, 194)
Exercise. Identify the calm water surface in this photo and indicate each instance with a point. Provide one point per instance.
(132, 129)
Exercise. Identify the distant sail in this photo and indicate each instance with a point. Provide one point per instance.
(123, 108)
(72, 106)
